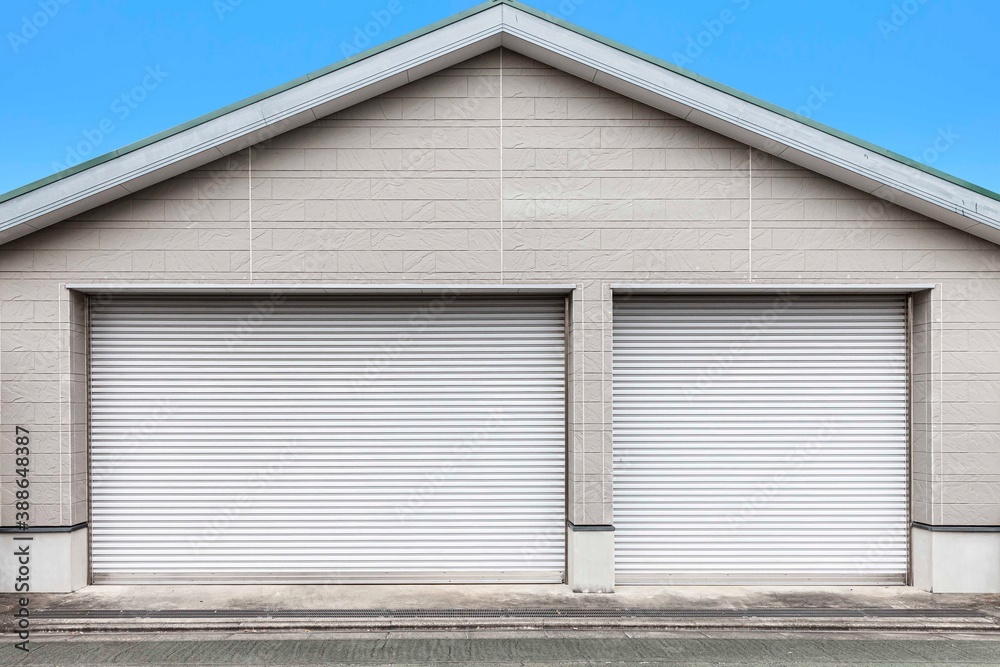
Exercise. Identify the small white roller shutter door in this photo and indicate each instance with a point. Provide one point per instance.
(388, 440)
(760, 439)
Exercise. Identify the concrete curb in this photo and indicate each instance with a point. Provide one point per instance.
(974, 624)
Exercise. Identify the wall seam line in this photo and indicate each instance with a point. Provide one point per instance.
(604, 404)
(62, 402)
(250, 211)
(929, 342)
(582, 470)
(501, 166)
(941, 402)
(750, 214)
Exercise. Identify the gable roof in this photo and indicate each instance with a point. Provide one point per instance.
(534, 34)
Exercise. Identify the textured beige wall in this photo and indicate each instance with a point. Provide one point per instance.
(596, 189)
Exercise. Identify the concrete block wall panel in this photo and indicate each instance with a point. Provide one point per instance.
(73, 403)
(43, 388)
(589, 434)
(922, 419)
(594, 189)
(403, 187)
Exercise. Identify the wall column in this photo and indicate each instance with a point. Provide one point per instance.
(590, 532)
(44, 390)
(950, 554)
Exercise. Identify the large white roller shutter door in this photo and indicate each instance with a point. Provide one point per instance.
(760, 439)
(284, 440)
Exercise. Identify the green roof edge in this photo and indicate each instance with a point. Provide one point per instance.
(83, 166)
(754, 100)
(212, 115)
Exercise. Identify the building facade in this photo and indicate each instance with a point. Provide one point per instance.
(502, 311)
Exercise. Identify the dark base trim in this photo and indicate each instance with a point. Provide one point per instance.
(957, 529)
(595, 528)
(44, 529)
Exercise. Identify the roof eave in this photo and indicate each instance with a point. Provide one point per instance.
(266, 117)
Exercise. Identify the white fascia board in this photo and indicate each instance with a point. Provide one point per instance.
(414, 59)
(748, 123)
(148, 165)
(516, 22)
(50, 215)
(341, 289)
(249, 125)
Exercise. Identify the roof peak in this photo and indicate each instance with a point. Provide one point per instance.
(512, 24)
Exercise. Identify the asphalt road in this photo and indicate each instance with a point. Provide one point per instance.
(562, 651)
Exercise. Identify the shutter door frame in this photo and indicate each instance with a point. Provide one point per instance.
(894, 550)
(531, 437)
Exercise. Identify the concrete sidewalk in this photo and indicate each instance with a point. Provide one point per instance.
(511, 607)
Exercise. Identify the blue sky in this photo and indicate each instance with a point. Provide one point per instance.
(83, 77)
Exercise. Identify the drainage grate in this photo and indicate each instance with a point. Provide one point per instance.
(513, 614)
